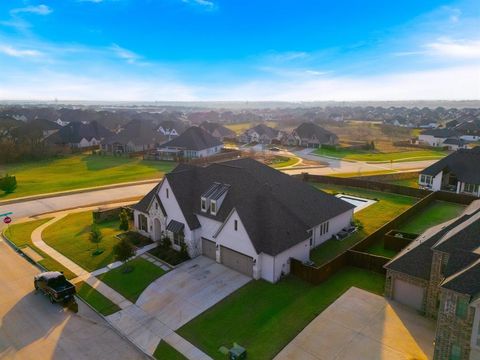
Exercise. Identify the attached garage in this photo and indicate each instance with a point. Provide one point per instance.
(408, 294)
(209, 249)
(237, 261)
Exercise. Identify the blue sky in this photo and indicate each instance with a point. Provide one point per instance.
(292, 50)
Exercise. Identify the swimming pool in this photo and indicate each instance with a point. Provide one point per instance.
(358, 202)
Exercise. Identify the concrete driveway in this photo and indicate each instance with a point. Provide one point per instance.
(174, 299)
(362, 325)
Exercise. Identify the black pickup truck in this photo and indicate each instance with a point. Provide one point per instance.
(54, 285)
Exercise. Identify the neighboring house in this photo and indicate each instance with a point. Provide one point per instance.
(311, 135)
(439, 275)
(171, 128)
(469, 130)
(243, 214)
(136, 136)
(436, 137)
(219, 131)
(80, 135)
(261, 134)
(455, 143)
(192, 144)
(458, 172)
(46, 126)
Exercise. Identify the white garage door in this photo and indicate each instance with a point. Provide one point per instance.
(408, 294)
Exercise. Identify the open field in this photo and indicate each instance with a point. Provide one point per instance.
(80, 171)
(20, 235)
(373, 217)
(265, 317)
(132, 284)
(70, 236)
(376, 156)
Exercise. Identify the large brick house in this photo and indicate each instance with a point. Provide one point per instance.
(311, 135)
(439, 275)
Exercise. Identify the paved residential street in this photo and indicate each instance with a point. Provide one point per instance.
(37, 207)
(32, 328)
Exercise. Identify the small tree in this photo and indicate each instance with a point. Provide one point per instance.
(96, 237)
(124, 225)
(123, 251)
(8, 184)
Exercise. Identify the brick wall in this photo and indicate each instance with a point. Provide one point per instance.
(393, 275)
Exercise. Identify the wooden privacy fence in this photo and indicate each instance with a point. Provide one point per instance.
(366, 184)
(396, 240)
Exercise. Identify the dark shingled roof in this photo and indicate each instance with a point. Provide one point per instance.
(465, 282)
(276, 209)
(440, 133)
(222, 130)
(144, 203)
(75, 131)
(194, 138)
(309, 130)
(463, 163)
(263, 129)
(139, 132)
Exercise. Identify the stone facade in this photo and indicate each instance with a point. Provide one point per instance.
(453, 330)
(436, 277)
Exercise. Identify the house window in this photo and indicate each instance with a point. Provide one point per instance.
(426, 179)
(235, 225)
(204, 204)
(178, 238)
(461, 308)
(142, 222)
(471, 188)
(166, 191)
(324, 228)
(213, 208)
(156, 206)
(455, 352)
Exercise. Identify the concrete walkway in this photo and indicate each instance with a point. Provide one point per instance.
(139, 326)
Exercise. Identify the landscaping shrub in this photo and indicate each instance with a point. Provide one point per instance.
(96, 237)
(124, 224)
(8, 184)
(123, 251)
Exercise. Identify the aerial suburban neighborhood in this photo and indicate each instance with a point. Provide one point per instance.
(235, 180)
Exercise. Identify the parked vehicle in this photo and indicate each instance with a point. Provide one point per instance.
(55, 286)
(345, 232)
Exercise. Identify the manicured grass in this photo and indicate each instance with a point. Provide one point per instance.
(283, 161)
(81, 171)
(412, 182)
(70, 236)
(20, 235)
(372, 218)
(365, 155)
(165, 352)
(132, 284)
(265, 317)
(366, 173)
(99, 302)
(434, 214)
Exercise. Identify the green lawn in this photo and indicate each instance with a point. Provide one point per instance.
(132, 284)
(80, 171)
(372, 218)
(99, 302)
(20, 235)
(412, 182)
(434, 214)
(265, 317)
(284, 161)
(70, 236)
(165, 352)
(365, 155)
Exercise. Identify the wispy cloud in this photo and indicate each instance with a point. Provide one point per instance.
(454, 48)
(125, 54)
(38, 10)
(19, 53)
(205, 4)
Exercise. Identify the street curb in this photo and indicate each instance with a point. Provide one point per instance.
(77, 191)
(34, 263)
